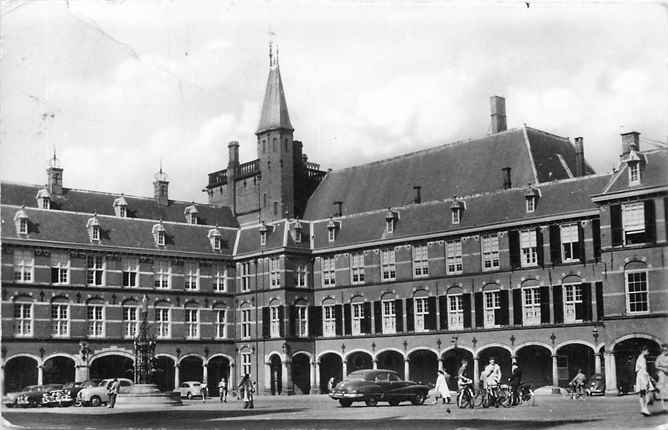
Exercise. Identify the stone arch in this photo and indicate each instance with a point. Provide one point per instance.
(330, 366)
(329, 351)
(635, 264)
(112, 364)
(218, 366)
(112, 351)
(573, 355)
(422, 365)
(191, 367)
(535, 362)
(533, 343)
(391, 358)
(454, 289)
(502, 355)
(635, 335)
(626, 350)
(20, 370)
(571, 278)
(358, 359)
(491, 286)
(300, 365)
(164, 367)
(452, 359)
(578, 342)
(275, 361)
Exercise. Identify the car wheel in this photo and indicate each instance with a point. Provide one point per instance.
(189, 396)
(418, 399)
(95, 401)
(32, 403)
(345, 403)
(371, 401)
(394, 402)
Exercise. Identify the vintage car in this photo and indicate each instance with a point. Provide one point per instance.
(31, 397)
(596, 385)
(373, 386)
(190, 389)
(74, 387)
(57, 397)
(99, 394)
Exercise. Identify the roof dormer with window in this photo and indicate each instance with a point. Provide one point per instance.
(93, 227)
(457, 210)
(121, 207)
(216, 239)
(333, 228)
(636, 163)
(43, 198)
(264, 233)
(22, 223)
(191, 212)
(391, 218)
(296, 228)
(159, 234)
(531, 197)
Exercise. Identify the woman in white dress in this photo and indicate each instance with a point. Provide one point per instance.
(441, 388)
(643, 381)
(661, 365)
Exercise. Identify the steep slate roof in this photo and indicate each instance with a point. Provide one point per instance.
(249, 238)
(557, 198)
(274, 108)
(69, 227)
(102, 203)
(655, 173)
(461, 168)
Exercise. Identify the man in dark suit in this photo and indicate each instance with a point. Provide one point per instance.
(515, 382)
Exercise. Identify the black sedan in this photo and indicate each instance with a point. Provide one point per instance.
(32, 396)
(373, 386)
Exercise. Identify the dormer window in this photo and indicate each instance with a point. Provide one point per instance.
(332, 227)
(121, 207)
(159, 235)
(264, 229)
(93, 226)
(390, 221)
(456, 210)
(634, 173)
(216, 239)
(23, 226)
(43, 199)
(531, 199)
(297, 231)
(191, 213)
(21, 221)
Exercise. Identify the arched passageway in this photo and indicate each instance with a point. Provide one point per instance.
(331, 366)
(626, 353)
(572, 357)
(301, 373)
(391, 360)
(58, 370)
(164, 373)
(20, 372)
(112, 366)
(218, 367)
(500, 355)
(191, 369)
(276, 369)
(452, 361)
(423, 366)
(359, 360)
(535, 362)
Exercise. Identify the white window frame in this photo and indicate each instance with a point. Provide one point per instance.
(302, 320)
(301, 275)
(298, 236)
(130, 321)
(389, 225)
(246, 363)
(245, 323)
(61, 262)
(263, 238)
(191, 276)
(456, 215)
(274, 272)
(328, 265)
(357, 270)
(420, 261)
(389, 315)
(24, 265)
(217, 243)
(572, 296)
(60, 319)
(23, 226)
(569, 243)
(489, 247)
(634, 173)
(221, 323)
(331, 234)
(220, 278)
(453, 256)
(528, 248)
(531, 204)
(23, 319)
(96, 319)
(245, 276)
(130, 268)
(421, 306)
(274, 321)
(491, 302)
(629, 293)
(44, 203)
(162, 274)
(161, 238)
(192, 323)
(633, 219)
(122, 211)
(531, 314)
(357, 316)
(388, 265)
(456, 311)
(95, 233)
(163, 319)
(328, 320)
(95, 270)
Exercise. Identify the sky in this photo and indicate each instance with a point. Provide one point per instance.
(119, 88)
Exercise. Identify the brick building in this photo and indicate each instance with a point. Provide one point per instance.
(507, 245)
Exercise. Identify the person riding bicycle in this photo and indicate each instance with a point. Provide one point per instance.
(492, 376)
(462, 379)
(515, 381)
(578, 382)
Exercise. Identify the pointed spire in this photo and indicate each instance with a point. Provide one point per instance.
(274, 114)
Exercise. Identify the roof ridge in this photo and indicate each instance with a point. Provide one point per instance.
(564, 138)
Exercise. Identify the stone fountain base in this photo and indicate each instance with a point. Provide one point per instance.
(147, 395)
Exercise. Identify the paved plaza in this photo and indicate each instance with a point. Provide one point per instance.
(320, 412)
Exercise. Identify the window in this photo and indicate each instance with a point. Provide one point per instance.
(357, 314)
(95, 271)
(531, 306)
(421, 312)
(95, 320)
(389, 316)
(162, 274)
(633, 219)
(531, 204)
(572, 301)
(275, 321)
(570, 243)
(217, 243)
(634, 173)
(161, 238)
(456, 312)
(302, 321)
(220, 278)
(60, 321)
(454, 256)
(246, 363)
(492, 303)
(23, 225)
(44, 202)
(490, 252)
(357, 268)
(388, 265)
(245, 276)
(331, 234)
(24, 265)
(328, 272)
(221, 323)
(274, 273)
(191, 275)
(22, 319)
(529, 248)
(328, 321)
(389, 225)
(298, 235)
(122, 211)
(263, 238)
(192, 324)
(130, 272)
(60, 268)
(130, 321)
(301, 275)
(245, 323)
(162, 323)
(420, 261)
(456, 215)
(636, 292)
(95, 233)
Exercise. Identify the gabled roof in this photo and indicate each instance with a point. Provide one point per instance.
(274, 107)
(655, 173)
(558, 199)
(461, 168)
(103, 203)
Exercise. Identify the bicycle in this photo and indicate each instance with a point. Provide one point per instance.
(493, 396)
(576, 391)
(465, 396)
(523, 394)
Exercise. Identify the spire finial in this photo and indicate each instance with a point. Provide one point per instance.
(271, 54)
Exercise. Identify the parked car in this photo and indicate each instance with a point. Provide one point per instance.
(58, 397)
(190, 389)
(74, 387)
(99, 394)
(9, 399)
(596, 385)
(31, 397)
(372, 386)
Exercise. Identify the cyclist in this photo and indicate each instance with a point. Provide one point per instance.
(492, 377)
(462, 379)
(578, 383)
(515, 381)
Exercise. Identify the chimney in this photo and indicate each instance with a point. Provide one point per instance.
(54, 176)
(506, 178)
(498, 114)
(418, 194)
(233, 153)
(579, 157)
(161, 188)
(630, 142)
(339, 208)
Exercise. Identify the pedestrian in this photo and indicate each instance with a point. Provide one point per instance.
(114, 388)
(331, 384)
(515, 381)
(577, 384)
(661, 365)
(222, 389)
(245, 388)
(441, 389)
(644, 385)
(205, 391)
(492, 377)
(252, 396)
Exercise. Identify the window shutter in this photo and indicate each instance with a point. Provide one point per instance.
(431, 317)
(410, 315)
(467, 309)
(650, 221)
(292, 321)
(366, 321)
(599, 300)
(514, 248)
(378, 316)
(315, 320)
(399, 312)
(586, 301)
(265, 323)
(545, 305)
(596, 238)
(347, 316)
(616, 225)
(443, 312)
(555, 245)
(338, 316)
(54, 275)
(479, 310)
(517, 306)
(558, 304)
(539, 247)
(501, 315)
(281, 321)
(581, 244)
